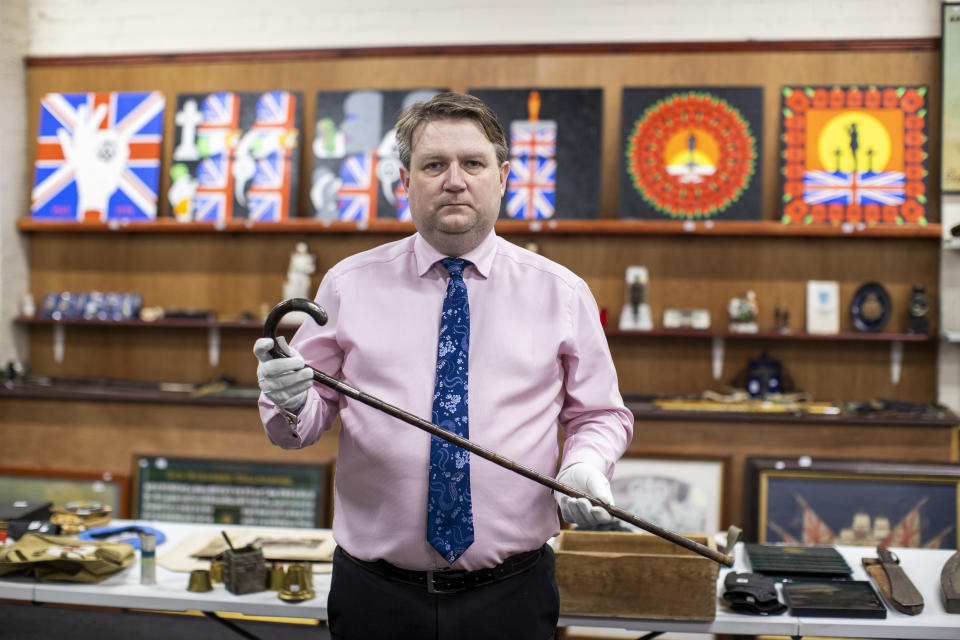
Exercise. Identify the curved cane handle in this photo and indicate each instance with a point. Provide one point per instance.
(272, 322)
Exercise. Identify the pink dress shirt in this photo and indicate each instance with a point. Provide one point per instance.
(538, 357)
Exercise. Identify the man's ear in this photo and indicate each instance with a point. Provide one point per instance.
(405, 178)
(504, 174)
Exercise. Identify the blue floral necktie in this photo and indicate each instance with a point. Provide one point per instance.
(449, 512)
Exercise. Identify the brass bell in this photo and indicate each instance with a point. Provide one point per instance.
(297, 583)
(200, 581)
(216, 570)
(275, 577)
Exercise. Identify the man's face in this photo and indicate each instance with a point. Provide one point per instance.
(454, 184)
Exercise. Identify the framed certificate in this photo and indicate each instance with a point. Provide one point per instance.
(950, 135)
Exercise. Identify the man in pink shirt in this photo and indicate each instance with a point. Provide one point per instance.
(426, 551)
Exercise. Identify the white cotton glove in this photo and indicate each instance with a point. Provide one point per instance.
(284, 380)
(579, 511)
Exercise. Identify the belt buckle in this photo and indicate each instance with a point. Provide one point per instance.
(431, 585)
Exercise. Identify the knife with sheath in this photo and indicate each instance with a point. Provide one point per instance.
(893, 582)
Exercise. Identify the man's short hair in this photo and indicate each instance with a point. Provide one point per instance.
(449, 105)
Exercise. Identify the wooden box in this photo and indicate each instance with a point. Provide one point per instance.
(634, 575)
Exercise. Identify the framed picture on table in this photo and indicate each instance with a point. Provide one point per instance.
(679, 493)
(852, 502)
(61, 488)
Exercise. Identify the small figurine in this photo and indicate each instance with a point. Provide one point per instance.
(743, 313)
(302, 266)
(636, 314)
(297, 285)
(781, 320)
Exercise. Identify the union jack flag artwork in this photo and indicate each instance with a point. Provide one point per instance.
(357, 198)
(533, 139)
(554, 138)
(531, 188)
(884, 188)
(854, 155)
(356, 163)
(403, 206)
(235, 156)
(98, 156)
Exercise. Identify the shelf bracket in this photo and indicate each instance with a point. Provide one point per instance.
(213, 345)
(716, 356)
(59, 342)
(896, 360)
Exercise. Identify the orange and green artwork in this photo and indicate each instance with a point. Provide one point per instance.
(854, 155)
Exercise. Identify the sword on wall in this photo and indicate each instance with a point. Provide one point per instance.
(314, 310)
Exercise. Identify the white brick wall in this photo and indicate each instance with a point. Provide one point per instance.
(13, 201)
(92, 27)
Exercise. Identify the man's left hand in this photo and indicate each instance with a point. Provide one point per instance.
(580, 511)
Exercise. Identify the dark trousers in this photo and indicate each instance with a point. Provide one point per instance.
(365, 606)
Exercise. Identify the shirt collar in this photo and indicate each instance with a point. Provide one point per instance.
(481, 256)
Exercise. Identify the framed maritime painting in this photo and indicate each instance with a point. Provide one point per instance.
(852, 502)
(691, 153)
(854, 155)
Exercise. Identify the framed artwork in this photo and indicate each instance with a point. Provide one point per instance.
(209, 490)
(692, 153)
(98, 156)
(235, 155)
(855, 154)
(679, 493)
(950, 130)
(356, 166)
(855, 502)
(555, 141)
(63, 487)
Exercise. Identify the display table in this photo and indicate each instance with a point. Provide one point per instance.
(123, 590)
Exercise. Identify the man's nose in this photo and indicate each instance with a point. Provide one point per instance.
(454, 180)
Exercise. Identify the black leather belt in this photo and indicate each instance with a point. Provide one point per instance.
(452, 580)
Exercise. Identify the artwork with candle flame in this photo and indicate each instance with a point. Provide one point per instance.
(555, 140)
(854, 155)
(356, 165)
(691, 153)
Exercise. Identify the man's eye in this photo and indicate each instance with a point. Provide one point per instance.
(432, 166)
(474, 164)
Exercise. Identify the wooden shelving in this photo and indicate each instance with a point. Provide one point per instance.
(578, 227)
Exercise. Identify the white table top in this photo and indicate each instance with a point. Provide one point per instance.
(170, 594)
(923, 567)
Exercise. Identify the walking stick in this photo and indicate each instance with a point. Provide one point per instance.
(314, 310)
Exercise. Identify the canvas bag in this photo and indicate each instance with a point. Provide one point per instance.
(50, 558)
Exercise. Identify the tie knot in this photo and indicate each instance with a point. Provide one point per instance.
(455, 266)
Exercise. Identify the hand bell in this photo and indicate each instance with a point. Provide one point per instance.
(200, 581)
(297, 583)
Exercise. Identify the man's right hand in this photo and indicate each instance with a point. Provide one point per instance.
(285, 381)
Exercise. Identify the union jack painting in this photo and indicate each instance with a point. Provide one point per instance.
(356, 165)
(531, 188)
(98, 156)
(357, 197)
(854, 155)
(555, 142)
(235, 156)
